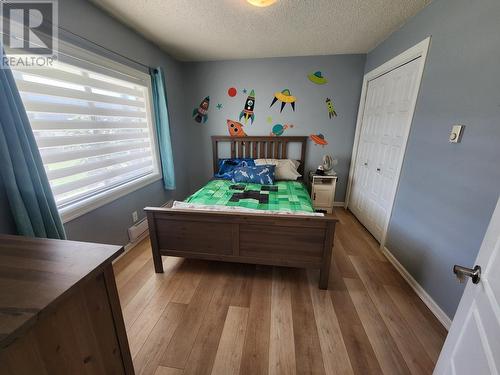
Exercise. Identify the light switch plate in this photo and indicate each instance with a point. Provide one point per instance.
(456, 133)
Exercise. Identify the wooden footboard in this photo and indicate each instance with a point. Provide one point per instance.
(279, 240)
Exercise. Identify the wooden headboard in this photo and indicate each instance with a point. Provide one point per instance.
(259, 148)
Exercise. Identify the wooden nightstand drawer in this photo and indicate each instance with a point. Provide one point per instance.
(323, 180)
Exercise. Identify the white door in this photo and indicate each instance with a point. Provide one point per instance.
(387, 115)
(473, 343)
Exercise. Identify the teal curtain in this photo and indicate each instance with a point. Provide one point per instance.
(163, 127)
(22, 173)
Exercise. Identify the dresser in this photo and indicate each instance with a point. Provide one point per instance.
(59, 309)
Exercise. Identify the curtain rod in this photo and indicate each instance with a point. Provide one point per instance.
(101, 47)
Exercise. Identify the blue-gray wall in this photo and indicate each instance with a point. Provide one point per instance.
(109, 223)
(267, 76)
(447, 192)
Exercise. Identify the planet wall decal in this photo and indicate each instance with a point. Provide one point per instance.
(279, 129)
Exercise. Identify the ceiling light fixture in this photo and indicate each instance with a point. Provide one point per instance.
(261, 3)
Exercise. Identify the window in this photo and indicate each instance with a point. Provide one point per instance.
(93, 124)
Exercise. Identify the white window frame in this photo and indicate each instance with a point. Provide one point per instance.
(80, 57)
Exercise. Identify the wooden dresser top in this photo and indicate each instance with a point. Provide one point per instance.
(36, 273)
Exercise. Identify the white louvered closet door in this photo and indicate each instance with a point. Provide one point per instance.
(385, 124)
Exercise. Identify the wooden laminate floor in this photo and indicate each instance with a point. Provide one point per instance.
(203, 317)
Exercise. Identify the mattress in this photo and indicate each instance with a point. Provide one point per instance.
(284, 196)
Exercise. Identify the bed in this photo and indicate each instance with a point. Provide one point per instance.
(294, 238)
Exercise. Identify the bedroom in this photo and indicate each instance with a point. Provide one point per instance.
(239, 292)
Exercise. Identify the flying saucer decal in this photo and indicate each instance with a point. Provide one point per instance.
(319, 139)
(279, 129)
(200, 113)
(247, 112)
(284, 97)
(331, 109)
(232, 92)
(317, 78)
(235, 129)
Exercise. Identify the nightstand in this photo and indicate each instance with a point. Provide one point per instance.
(323, 191)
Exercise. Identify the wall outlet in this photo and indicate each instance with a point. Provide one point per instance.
(135, 216)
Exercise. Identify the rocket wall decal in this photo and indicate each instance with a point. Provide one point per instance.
(331, 108)
(235, 129)
(200, 113)
(247, 112)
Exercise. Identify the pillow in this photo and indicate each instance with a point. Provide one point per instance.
(227, 166)
(259, 174)
(286, 169)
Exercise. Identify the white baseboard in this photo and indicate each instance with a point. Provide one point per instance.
(131, 245)
(424, 296)
(338, 204)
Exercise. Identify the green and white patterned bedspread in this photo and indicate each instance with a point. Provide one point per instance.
(290, 196)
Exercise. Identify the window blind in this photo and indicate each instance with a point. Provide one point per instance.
(94, 130)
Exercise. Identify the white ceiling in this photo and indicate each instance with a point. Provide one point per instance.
(199, 30)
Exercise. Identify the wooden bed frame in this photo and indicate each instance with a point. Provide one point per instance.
(278, 240)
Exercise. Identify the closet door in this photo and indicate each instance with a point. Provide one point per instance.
(362, 203)
(385, 124)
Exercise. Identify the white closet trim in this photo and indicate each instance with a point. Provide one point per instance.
(419, 50)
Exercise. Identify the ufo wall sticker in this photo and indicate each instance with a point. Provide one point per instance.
(232, 92)
(200, 113)
(247, 112)
(279, 129)
(284, 97)
(319, 139)
(235, 129)
(317, 78)
(331, 108)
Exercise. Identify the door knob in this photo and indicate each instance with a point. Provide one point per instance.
(462, 272)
